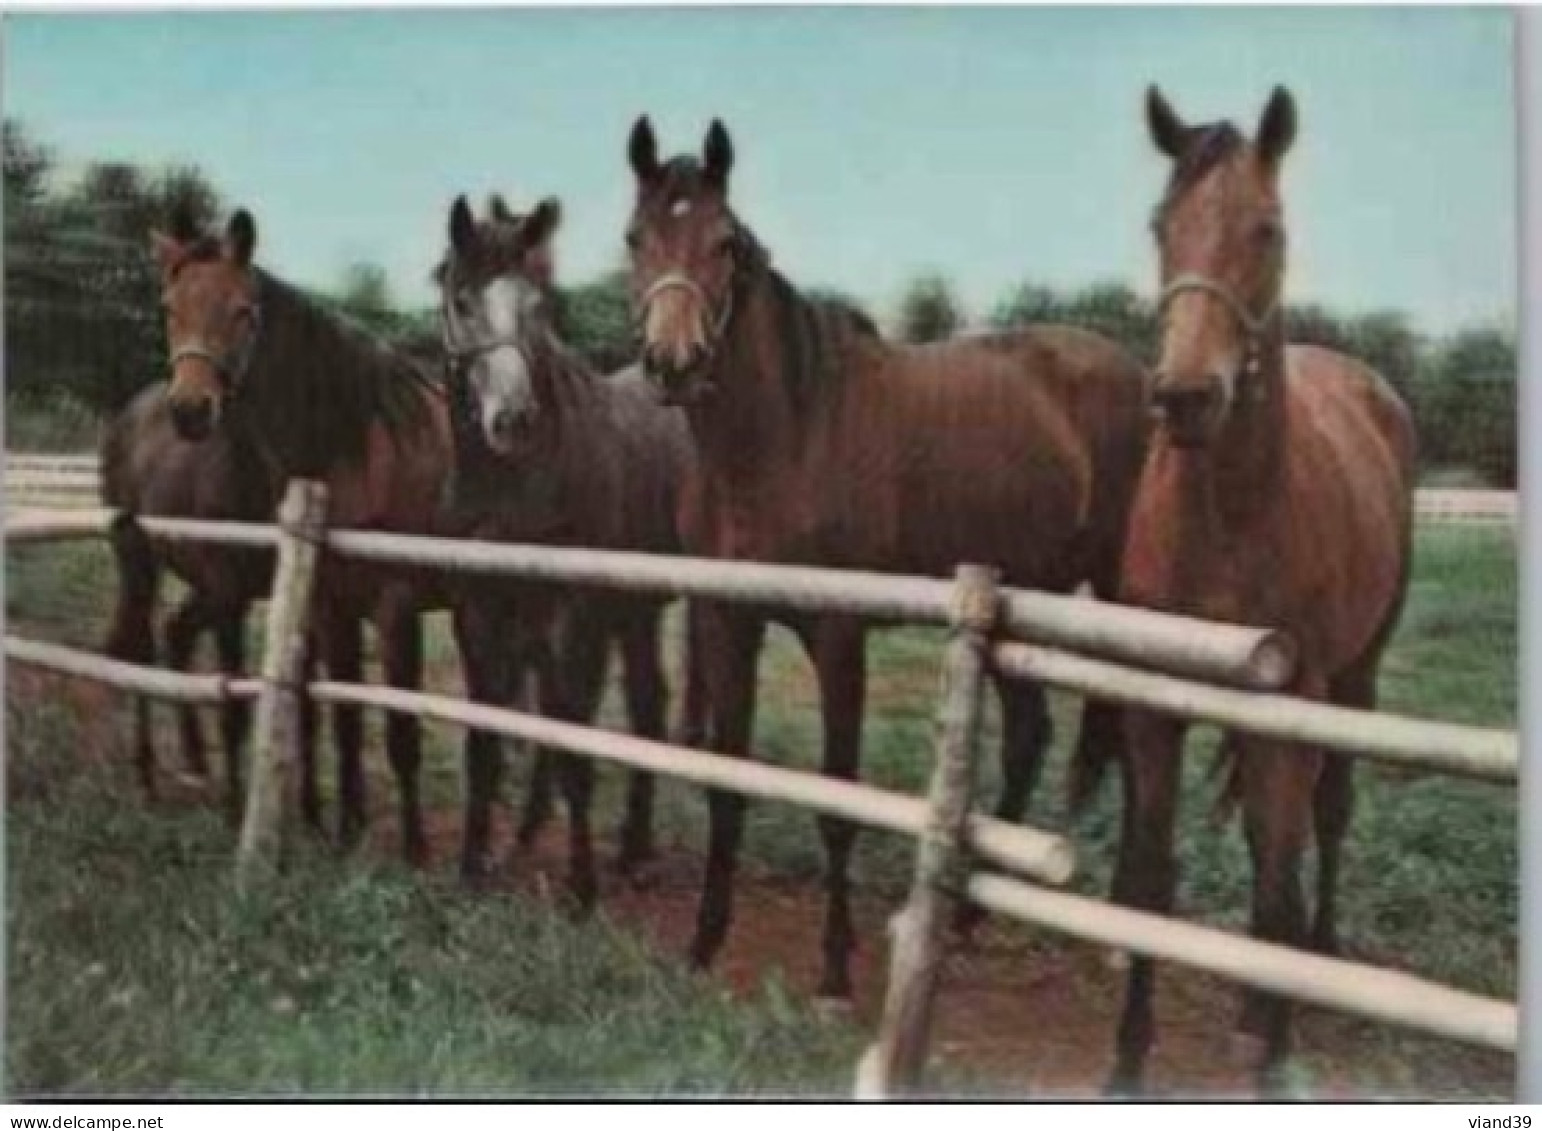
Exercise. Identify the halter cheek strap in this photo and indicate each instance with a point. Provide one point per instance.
(1255, 327)
(231, 366)
(676, 280)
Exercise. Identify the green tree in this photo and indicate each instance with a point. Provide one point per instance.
(1466, 405)
(929, 311)
(1028, 304)
(596, 320)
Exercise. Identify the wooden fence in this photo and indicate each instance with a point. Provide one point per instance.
(1223, 674)
(71, 481)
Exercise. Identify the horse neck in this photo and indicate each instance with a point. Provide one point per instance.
(585, 443)
(753, 425)
(315, 388)
(1228, 484)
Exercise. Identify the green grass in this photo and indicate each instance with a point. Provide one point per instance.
(133, 968)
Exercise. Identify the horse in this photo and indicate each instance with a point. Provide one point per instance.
(819, 443)
(1277, 491)
(147, 469)
(548, 451)
(320, 400)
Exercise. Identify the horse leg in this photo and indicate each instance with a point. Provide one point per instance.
(1145, 873)
(344, 650)
(131, 635)
(538, 801)
(579, 682)
(646, 696)
(235, 715)
(401, 638)
(183, 628)
(480, 625)
(692, 730)
(729, 642)
(1278, 783)
(839, 655)
(1332, 807)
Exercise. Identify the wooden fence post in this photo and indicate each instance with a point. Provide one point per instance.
(897, 1059)
(276, 742)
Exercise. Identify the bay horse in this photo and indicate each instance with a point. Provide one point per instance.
(148, 469)
(321, 400)
(821, 444)
(1277, 492)
(548, 451)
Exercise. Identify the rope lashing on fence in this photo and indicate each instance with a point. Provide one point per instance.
(1043, 856)
(1466, 751)
(1354, 987)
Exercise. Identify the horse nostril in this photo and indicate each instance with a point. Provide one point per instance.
(1182, 398)
(192, 418)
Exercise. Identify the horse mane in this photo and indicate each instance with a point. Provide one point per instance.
(1205, 147)
(333, 375)
(814, 334)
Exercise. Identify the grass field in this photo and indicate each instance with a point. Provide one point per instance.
(132, 967)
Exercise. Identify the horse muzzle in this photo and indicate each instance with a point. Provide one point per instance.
(680, 388)
(194, 417)
(1189, 410)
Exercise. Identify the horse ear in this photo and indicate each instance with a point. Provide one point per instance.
(642, 151)
(463, 227)
(540, 224)
(718, 154)
(168, 253)
(1277, 127)
(499, 209)
(1167, 129)
(241, 237)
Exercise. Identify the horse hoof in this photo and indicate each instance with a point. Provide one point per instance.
(640, 872)
(1117, 960)
(834, 1005)
(966, 921)
(193, 779)
(1247, 1048)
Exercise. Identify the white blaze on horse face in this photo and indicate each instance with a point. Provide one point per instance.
(502, 384)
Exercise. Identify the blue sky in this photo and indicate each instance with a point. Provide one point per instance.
(993, 145)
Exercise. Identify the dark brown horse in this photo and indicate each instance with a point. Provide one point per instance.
(320, 400)
(147, 469)
(1277, 493)
(821, 444)
(548, 451)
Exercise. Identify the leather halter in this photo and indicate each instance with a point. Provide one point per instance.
(678, 280)
(459, 355)
(1255, 327)
(231, 366)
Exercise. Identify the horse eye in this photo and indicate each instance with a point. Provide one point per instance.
(1269, 232)
(725, 247)
(633, 240)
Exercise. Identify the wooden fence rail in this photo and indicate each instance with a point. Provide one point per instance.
(1230, 654)
(1220, 673)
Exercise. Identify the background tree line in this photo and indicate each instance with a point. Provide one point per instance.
(83, 329)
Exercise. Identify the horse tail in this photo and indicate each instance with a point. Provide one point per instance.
(131, 635)
(1089, 765)
(1227, 766)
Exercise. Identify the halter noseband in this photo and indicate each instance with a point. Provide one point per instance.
(678, 280)
(232, 366)
(1255, 327)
